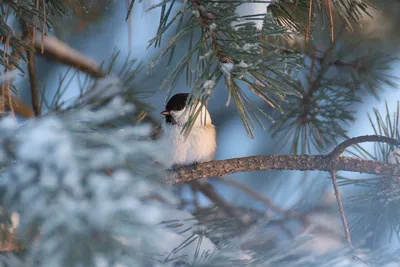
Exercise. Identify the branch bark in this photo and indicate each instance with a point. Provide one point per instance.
(219, 168)
(29, 35)
(362, 139)
(61, 52)
(33, 83)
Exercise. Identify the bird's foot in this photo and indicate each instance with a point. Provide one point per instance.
(195, 164)
(177, 166)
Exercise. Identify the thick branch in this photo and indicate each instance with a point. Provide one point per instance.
(219, 168)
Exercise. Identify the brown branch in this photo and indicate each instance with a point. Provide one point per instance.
(334, 156)
(218, 168)
(341, 209)
(308, 32)
(362, 139)
(64, 54)
(61, 52)
(21, 108)
(331, 163)
(14, 103)
(9, 243)
(33, 82)
(29, 36)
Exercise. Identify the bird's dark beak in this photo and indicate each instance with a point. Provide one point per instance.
(165, 112)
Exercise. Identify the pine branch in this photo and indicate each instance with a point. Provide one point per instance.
(64, 54)
(334, 82)
(337, 152)
(227, 47)
(331, 163)
(14, 103)
(219, 168)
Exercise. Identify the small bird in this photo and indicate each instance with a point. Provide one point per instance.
(200, 143)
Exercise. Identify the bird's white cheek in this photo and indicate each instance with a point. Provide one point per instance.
(181, 117)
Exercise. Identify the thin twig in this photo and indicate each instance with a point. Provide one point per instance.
(44, 26)
(29, 34)
(314, 83)
(334, 155)
(255, 195)
(14, 103)
(206, 19)
(5, 90)
(308, 33)
(195, 198)
(362, 139)
(331, 26)
(33, 83)
(341, 209)
(129, 22)
(207, 190)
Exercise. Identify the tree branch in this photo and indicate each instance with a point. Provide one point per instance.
(29, 35)
(33, 82)
(267, 202)
(65, 54)
(219, 168)
(341, 209)
(13, 102)
(362, 139)
(211, 194)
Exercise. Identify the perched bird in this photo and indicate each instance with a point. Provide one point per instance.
(199, 145)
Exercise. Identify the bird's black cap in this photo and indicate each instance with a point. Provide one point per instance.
(177, 102)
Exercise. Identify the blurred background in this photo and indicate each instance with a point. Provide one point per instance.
(102, 30)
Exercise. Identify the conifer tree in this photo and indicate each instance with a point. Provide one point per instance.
(84, 184)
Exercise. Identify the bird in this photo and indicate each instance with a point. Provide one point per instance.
(199, 145)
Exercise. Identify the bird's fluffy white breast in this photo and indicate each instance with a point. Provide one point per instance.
(198, 146)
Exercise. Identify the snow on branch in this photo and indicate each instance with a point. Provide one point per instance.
(71, 211)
